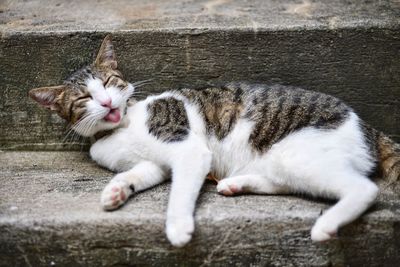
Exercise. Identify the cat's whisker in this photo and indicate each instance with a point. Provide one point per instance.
(90, 126)
(139, 84)
(79, 128)
(139, 94)
(85, 125)
(74, 139)
(81, 125)
(68, 134)
(143, 93)
(71, 137)
(143, 82)
(71, 131)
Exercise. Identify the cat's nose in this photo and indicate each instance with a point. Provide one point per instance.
(106, 103)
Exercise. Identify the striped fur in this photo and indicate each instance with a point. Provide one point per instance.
(276, 110)
(168, 120)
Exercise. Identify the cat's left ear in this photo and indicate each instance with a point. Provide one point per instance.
(48, 96)
(106, 56)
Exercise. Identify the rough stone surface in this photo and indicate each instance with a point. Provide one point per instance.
(346, 48)
(50, 216)
(127, 15)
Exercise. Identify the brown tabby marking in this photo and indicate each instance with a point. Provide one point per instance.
(276, 110)
(280, 110)
(168, 120)
(389, 157)
(220, 107)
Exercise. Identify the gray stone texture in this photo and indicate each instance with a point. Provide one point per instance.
(50, 212)
(346, 48)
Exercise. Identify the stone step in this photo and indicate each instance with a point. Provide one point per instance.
(50, 216)
(346, 48)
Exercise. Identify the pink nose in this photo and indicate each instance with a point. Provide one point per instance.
(106, 103)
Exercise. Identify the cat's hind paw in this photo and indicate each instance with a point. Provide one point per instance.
(228, 187)
(322, 233)
(115, 194)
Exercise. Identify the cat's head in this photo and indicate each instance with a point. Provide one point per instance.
(92, 99)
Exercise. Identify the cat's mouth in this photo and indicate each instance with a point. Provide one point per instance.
(114, 115)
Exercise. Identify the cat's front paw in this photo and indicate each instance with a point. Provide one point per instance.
(180, 230)
(229, 187)
(115, 194)
(323, 231)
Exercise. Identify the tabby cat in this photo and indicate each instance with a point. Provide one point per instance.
(252, 138)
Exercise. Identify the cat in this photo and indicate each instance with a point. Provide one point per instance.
(262, 139)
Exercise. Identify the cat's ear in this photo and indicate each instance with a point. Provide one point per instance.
(47, 96)
(106, 56)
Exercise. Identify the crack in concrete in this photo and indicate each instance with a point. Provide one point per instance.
(23, 254)
(187, 53)
(216, 249)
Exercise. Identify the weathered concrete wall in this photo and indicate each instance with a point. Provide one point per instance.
(345, 48)
(361, 66)
(50, 216)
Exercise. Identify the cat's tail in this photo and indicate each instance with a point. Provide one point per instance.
(388, 157)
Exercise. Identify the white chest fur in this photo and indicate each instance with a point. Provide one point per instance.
(126, 146)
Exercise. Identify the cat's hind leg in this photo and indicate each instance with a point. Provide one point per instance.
(331, 164)
(327, 176)
(256, 184)
(143, 175)
(356, 194)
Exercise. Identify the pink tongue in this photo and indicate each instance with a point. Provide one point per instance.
(113, 116)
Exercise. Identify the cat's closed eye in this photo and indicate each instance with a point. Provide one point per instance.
(107, 80)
